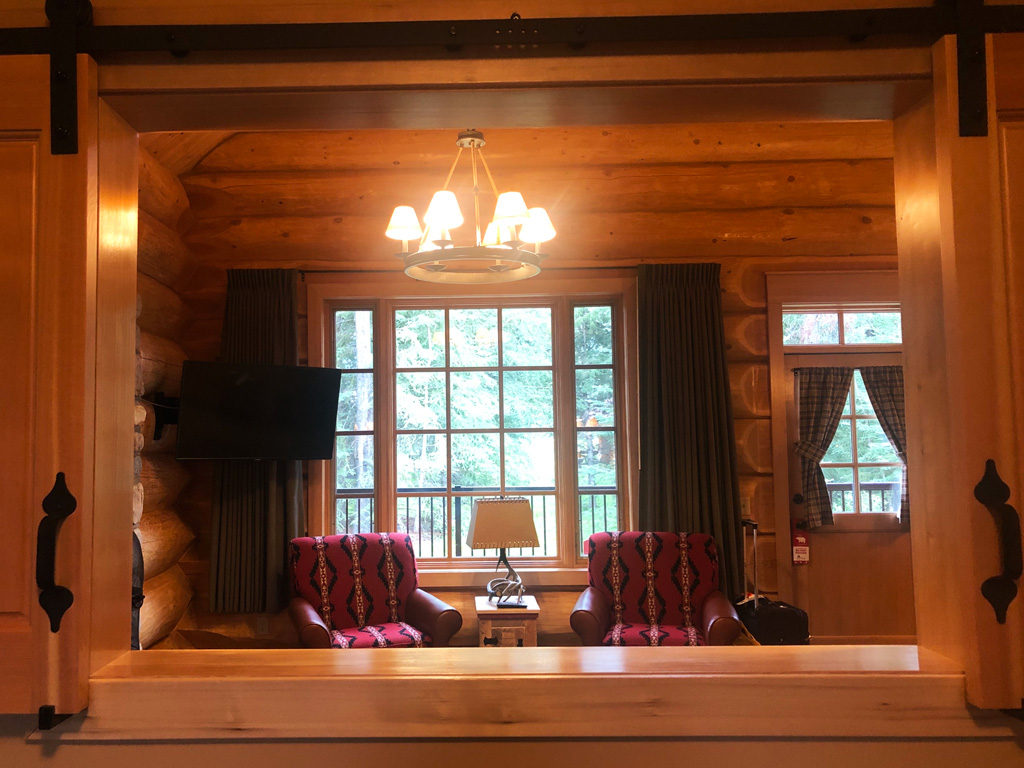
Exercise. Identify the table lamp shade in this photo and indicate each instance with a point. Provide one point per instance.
(500, 523)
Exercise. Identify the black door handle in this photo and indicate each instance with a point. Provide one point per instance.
(58, 506)
(994, 493)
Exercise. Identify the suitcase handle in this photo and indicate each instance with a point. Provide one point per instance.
(752, 524)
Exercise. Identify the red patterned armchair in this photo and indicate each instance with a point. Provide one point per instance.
(653, 589)
(360, 590)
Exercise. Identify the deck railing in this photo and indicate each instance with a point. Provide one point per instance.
(422, 513)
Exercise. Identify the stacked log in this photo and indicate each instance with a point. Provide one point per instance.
(165, 267)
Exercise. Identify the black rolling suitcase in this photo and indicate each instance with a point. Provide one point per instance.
(771, 622)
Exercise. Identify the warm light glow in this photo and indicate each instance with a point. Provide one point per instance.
(538, 227)
(496, 235)
(404, 225)
(443, 211)
(510, 209)
(432, 234)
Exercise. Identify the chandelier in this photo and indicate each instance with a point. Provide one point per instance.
(507, 249)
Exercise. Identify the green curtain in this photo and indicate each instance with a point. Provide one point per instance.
(688, 476)
(257, 505)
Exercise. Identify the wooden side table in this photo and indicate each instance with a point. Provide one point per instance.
(510, 627)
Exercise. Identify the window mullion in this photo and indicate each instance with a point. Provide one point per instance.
(385, 419)
(564, 380)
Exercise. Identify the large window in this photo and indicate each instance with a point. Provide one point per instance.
(445, 402)
(862, 470)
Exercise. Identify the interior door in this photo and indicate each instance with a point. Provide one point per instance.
(60, 368)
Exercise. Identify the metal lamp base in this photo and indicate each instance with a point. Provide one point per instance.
(506, 591)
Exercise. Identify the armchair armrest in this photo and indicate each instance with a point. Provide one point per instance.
(591, 616)
(719, 620)
(433, 616)
(313, 633)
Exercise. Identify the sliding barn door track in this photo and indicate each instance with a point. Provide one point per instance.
(71, 31)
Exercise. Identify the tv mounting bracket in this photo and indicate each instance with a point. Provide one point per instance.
(71, 31)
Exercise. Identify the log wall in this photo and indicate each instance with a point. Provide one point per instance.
(755, 197)
(165, 268)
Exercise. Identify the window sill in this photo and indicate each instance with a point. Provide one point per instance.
(863, 523)
(477, 578)
(826, 691)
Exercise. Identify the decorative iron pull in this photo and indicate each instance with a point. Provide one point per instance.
(994, 493)
(58, 506)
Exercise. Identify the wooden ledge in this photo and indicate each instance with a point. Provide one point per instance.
(528, 692)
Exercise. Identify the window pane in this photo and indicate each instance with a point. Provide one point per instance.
(860, 394)
(425, 519)
(839, 481)
(476, 460)
(593, 327)
(474, 399)
(596, 459)
(474, 335)
(526, 336)
(528, 399)
(353, 515)
(810, 328)
(419, 401)
(353, 339)
(872, 444)
(419, 338)
(595, 397)
(353, 462)
(355, 403)
(880, 489)
(841, 449)
(598, 512)
(422, 461)
(846, 405)
(544, 519)
(872, 328)
(529, 460)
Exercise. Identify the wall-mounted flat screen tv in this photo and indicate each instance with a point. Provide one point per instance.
(230, 411)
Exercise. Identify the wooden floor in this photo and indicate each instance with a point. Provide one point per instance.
(528, 692)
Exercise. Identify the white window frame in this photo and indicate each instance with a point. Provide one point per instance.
(383, 291)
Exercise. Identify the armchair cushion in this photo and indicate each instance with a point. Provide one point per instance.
(652, 634)
(387, 635)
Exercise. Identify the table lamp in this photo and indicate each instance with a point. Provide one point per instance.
(502, 523)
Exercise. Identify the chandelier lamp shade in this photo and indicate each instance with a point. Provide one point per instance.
(507, 249)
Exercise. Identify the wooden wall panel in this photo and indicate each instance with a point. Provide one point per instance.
(164, 538)
(576, 146)
(748, 383)
(162, 254)
(167, 596)
(161, 311)
(589, 239)
(573, 189)
(160, 362)
(160, 191)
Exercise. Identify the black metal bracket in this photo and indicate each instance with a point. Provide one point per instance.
(165, 412)
(66, 17)
(972, 87)
(58, 506)
(994, 493)
(48, 717)
(71, 31)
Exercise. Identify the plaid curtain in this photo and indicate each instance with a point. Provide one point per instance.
(884, 385)
(821, 395)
